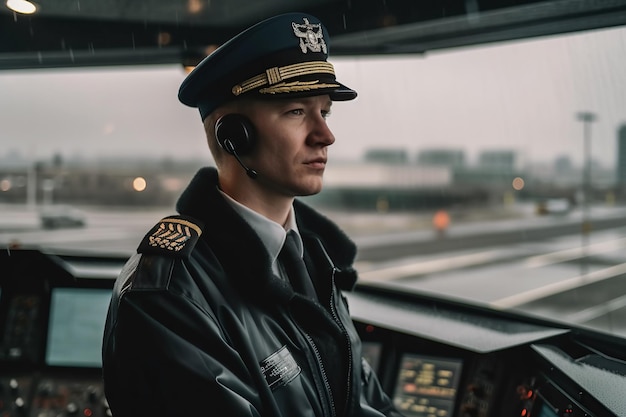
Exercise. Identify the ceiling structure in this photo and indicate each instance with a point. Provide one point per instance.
(65, 33)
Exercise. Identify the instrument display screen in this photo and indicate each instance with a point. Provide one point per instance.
(426, 385)
(76, 326)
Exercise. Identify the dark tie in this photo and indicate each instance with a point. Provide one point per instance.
(295, 267)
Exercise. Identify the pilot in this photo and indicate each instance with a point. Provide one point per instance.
(234, 307)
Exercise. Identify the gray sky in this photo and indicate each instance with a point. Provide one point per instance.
(522, 96)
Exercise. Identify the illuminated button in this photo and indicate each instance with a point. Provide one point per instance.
(72, 409)
(14, 385)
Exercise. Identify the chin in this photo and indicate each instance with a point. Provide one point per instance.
(306, 194)
(309, 189)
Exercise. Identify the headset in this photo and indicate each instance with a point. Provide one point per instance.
(236, 135)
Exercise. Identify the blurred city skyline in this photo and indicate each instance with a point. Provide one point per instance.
(520, 96)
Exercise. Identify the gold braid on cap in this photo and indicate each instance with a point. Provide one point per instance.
(275, 75)
(296, 86)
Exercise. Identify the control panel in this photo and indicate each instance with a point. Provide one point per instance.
(434, 359)
(68, 395)
(52, 395)
(51, 325)
(426, 379)
(15, 393)
(441, 359)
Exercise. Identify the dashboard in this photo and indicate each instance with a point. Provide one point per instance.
(435, 358)
(438, 358)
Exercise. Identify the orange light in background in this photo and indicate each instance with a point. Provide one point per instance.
(518, 183)
(139, 184)
(164, 38)
(194, 6)
(441, 220)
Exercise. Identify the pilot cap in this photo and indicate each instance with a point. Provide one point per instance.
(282, 57)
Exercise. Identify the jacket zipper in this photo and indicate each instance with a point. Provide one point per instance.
(323, 372)
(335, 316)
(333, 310)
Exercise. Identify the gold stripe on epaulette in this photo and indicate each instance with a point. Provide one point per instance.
(275, 75)
(296, 86)
(186, 223)
(173, 234)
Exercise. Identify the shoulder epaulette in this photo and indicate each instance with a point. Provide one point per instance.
(172, 236)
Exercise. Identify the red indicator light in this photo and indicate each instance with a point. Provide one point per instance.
(524, 412)
(87, 412)
(369, 328)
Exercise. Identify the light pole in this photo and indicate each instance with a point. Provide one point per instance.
(587, 118)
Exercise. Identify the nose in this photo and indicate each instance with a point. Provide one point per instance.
(321, 135)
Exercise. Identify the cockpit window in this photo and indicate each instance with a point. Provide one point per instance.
(494, 175)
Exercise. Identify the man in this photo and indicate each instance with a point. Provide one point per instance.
(211, 317)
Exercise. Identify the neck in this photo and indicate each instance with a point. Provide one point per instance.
(253, 194)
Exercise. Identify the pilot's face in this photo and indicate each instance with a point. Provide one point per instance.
(292, 147)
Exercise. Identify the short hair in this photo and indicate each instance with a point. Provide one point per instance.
(209, 131)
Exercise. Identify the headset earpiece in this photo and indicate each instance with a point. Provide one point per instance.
(235, 133)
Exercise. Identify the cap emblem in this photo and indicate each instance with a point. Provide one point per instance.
(311, 36)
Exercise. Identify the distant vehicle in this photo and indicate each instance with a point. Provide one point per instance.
(59, 216)
(554, 206)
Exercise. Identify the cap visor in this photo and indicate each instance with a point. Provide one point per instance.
(342, 93)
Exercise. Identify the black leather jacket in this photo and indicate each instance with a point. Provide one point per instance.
(199, 326)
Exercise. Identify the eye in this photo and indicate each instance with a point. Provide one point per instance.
(326, 114)
(296, 112)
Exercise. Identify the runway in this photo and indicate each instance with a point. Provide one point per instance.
(538, 265)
